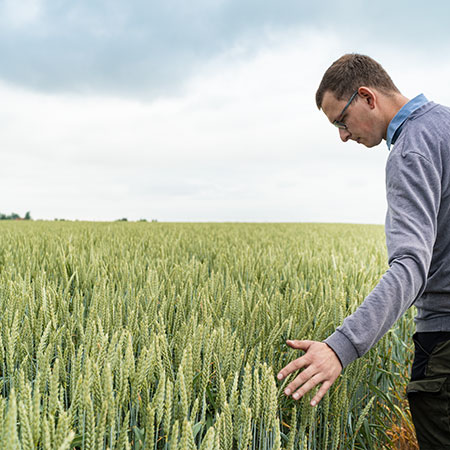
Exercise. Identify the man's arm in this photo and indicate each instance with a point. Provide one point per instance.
(413, 190)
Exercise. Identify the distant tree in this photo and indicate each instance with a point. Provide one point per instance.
(15, 216)
(123, 219)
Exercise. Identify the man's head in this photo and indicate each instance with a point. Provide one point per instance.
(358, 96)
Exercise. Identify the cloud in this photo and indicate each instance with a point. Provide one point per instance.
(107, 112)
(243, 142)
(145, 49)
(150, 50)
(17, 15)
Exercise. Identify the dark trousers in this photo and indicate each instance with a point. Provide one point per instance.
(429, 390)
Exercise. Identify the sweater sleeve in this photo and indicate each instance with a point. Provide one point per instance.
(413, 190)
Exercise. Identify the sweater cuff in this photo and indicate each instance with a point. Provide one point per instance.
(343, 347)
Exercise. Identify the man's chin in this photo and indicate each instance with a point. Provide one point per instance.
(370, 144)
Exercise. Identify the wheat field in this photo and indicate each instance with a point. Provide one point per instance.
(169, 336)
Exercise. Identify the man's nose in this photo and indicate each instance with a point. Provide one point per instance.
(344, 134)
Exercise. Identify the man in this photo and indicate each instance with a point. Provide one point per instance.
(360, 99)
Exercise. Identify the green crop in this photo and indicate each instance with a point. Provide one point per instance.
(168, 336)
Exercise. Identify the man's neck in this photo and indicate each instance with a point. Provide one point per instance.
(394, 104)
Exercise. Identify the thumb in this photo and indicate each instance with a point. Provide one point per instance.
(299, 345)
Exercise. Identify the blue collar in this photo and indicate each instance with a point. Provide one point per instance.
(399, 119)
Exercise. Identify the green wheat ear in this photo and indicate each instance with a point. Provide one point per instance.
(168, 336)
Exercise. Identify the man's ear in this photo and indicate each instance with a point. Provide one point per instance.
(368, 95)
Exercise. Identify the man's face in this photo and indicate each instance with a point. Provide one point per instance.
(360, 117)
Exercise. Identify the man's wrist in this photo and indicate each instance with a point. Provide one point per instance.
(342, 347)
(337, 356)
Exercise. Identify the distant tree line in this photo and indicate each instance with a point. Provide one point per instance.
(15, 216)
(124, 219)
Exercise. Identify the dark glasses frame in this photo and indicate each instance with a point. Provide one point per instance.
(338, 123)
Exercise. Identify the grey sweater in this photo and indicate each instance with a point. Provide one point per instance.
(417, 237)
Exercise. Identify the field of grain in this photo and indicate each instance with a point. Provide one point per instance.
(169, 336)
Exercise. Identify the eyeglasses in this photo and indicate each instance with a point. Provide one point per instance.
(338, 123)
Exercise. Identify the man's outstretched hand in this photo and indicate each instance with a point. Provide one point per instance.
(320, 364)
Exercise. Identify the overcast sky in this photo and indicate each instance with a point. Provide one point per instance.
(199, 110)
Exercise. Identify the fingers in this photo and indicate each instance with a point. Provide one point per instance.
(299, 345)
(321, 366)
(293, 366)
(298, 363)
(308, 384)
(307, 380)
(320, 393)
